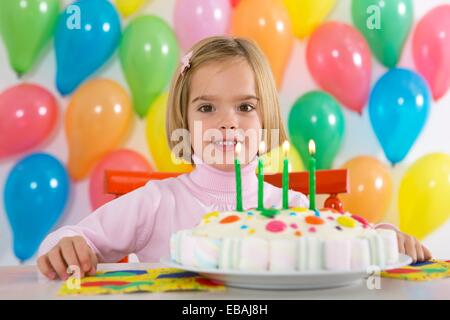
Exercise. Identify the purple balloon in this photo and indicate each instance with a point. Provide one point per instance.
(198, 19)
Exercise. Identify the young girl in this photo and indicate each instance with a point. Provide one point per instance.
(224, 94)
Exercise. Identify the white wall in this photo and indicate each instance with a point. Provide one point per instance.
(359, 137)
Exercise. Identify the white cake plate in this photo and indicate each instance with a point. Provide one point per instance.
(284, 281)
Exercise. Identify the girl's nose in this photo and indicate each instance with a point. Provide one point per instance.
(225, 127)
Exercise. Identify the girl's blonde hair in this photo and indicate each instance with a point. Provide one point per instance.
(220, 49)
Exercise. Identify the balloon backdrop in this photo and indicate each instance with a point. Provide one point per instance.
(97, 121)
(122, 160)
(203, 18)
(307, 15)
(431, 47)
(129, 7)
(28, 115)
(157, 141)
(149, 55)
(398, 109)
(273, 160)
(36, 193)
(87, 34)
(339, 60)
(423, 201)
(385, 25)
(317, 116)
(26, 29)
(371, 187)
(266, 22)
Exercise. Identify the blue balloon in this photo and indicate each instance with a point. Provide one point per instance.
(87, 34)
(398, 109)
(36, 193)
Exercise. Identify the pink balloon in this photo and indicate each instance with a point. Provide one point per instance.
(339, 60)
(431, 49)
(198, 19)
(122, 160)
(28, 114)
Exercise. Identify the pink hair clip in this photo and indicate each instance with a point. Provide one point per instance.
(185, 62)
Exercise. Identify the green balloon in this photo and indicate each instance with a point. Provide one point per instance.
(26, 27)
(317, 116)
(385, 24)
(149, 54)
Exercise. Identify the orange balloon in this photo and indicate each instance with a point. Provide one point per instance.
(97, 120)
(267, 22)
(370, 188)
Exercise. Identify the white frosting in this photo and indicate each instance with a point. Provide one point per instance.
(294, 239)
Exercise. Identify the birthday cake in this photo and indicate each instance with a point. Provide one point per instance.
(295, 239)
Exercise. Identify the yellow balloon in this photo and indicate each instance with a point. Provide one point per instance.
(157, 141)
(128, 7)
(273, 161)
(97, 120)
(424, 197)
(307, 15)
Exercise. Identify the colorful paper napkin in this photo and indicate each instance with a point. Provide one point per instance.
(422, 271)
(132, 281)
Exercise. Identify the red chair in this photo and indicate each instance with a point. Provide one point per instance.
(328, 182)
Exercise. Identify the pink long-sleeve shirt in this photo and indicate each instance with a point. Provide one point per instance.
(142, 221)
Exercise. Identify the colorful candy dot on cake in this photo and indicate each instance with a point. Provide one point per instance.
(294, 226)
(251, 231)
(330, 218)
(230, 219)
(250, 213)
(299, 209)
(275, 226)
(210, 215)
(293, 214)
(298, 233)
(269, 212)
(314, 220)
(339, 228)
(243, 227)
(346, 221)
(360, 219)
(312, 229)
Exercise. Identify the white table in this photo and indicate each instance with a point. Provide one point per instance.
(23, 282)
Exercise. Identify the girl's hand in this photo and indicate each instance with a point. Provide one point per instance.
(70, 251)
(412, 247)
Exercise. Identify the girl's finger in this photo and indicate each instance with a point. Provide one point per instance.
(83, 253)
(93, 269)
(419, 251)
(56, 260)
(410, 247)
(427, 253)
(401, 243)
(69, 255)
(45, 267)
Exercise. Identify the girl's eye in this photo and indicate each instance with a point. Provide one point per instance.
(206, 108)
(246, 107)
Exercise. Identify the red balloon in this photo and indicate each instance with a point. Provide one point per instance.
(339, 60)
(121, 160)
(431, 49)
(28, 114)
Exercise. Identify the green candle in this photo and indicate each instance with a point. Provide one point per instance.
(312, 175)
(237, 170)
(262, 149)
(285, 182)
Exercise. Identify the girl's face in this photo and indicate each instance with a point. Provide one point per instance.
(223, 111)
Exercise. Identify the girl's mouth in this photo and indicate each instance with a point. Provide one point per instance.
(225, 145)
